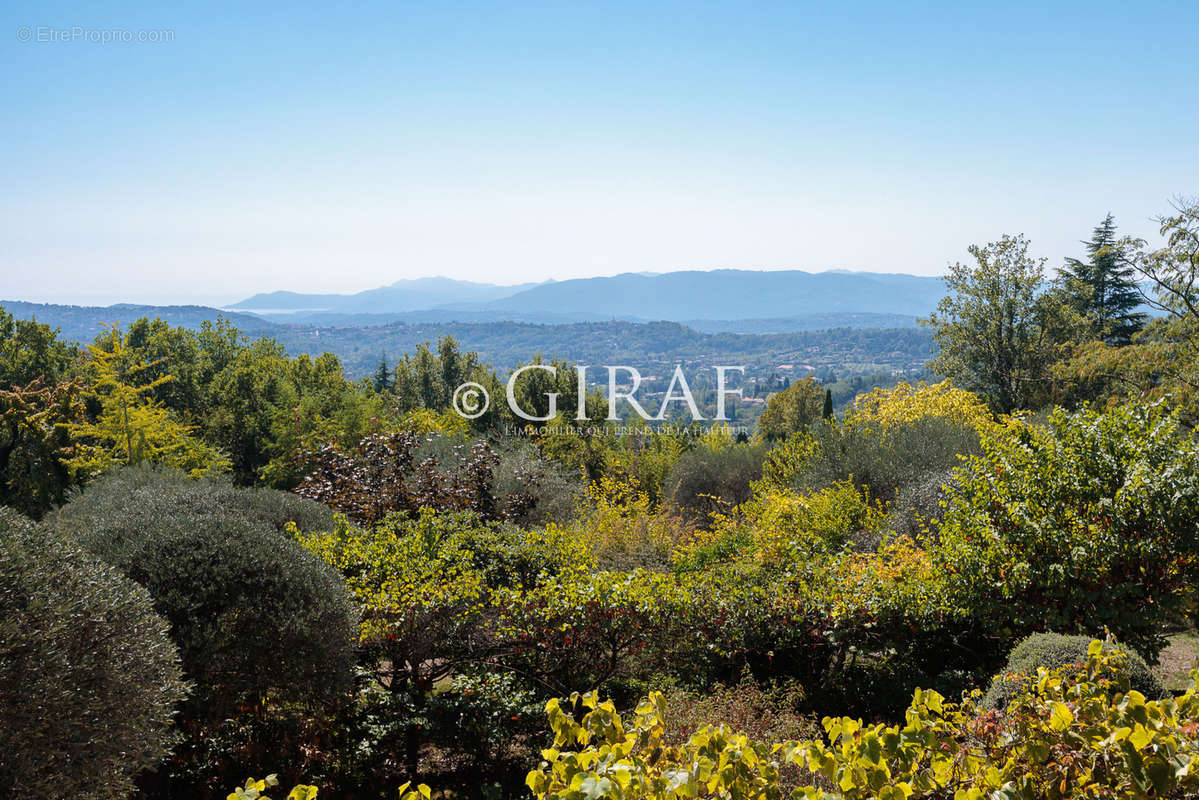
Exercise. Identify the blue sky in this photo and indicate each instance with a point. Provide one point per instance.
(320, 147)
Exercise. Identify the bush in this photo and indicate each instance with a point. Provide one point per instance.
(1085, 524)
(885, 459)
(708, 480)
(254, 614)
(624, 531)
(263, 508)
(88, 675)
(552, 493)
(767, 712)
(1074, 733)
(1054, 650)
(406, 471)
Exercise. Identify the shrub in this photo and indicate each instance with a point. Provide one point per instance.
(1084, 524)
(544, 490)
(88, 675)
(919, 504)
(707, 480)
(1072, 733)
(110, 496)
(254, 615)
(1052, 651)
(766, 712)
(406, 471)
(624, 531)
(790, 525)
(884, 459)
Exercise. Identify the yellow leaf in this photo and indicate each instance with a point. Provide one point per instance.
(1061, 717)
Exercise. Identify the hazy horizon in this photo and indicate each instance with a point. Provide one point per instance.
(222, 302)
(336, 149)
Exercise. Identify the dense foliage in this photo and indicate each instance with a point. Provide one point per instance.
(434, 582)
(1080, 732)
(89, 678)
(218, 569)
(1053, 651)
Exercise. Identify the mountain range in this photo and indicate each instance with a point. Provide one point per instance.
(774, 300)
(404, 295)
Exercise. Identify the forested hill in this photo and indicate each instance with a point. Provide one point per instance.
(82, 323)
(505, 344)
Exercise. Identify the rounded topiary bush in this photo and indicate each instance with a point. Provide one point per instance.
(253, 613)
(111, 493)
(1052, 650)
(89, 678)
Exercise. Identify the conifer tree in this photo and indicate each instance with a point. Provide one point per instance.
(1103, 286)
(382, 377)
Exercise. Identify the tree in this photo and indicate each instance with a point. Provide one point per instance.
(30, 350)
(828, 404)
(792, 410)
(35, 445)
(1163, 360)
(1104, 288)
(999, 330)
(382, 378)
(130, 426)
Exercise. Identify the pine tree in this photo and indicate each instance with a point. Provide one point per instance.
(1103, 286)
(382, 377)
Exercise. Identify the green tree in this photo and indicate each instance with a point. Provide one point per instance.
(1162, 361)
(382, 378)
(1104, 287)
(35, 445)
(130, 426)
(828, 404)
(792, 410)
(999, 330)
(30, 350)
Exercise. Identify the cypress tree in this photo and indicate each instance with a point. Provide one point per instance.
(1103, 286)
(828, 403)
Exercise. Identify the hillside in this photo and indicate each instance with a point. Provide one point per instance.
(841, 350)
(403, 295)
(724, 295)
(732, 294)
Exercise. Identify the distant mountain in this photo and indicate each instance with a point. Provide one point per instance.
(654, 346)
(405, 295)
(432, 315)
(82, 323)
(807, 322)
(729, 294)
(784, 300)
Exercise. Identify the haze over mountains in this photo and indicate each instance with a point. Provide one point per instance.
(782, 299)
(766, 319)
(403, 295)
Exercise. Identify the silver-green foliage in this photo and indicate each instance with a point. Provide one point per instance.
(89, 678)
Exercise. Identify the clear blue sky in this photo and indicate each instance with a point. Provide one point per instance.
(331, 147)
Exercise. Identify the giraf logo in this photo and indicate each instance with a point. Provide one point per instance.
(471, 399)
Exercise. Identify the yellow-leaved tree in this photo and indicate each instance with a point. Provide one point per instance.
(130, 426)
